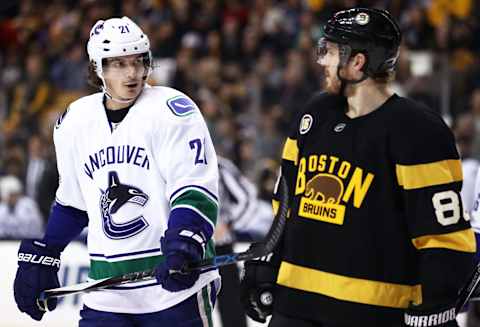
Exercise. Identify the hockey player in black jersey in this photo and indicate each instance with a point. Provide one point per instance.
(376, 234)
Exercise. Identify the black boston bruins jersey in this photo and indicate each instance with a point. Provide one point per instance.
(376, 222)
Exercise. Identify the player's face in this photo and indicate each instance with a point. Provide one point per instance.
(328, 57)
(124, 76)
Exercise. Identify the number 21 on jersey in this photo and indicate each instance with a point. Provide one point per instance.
(197, 145)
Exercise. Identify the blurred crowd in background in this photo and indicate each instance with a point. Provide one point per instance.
(248, 64)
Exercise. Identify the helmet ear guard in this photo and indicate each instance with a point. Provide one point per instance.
(345, 53)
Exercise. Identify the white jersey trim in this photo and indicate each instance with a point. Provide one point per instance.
(125, 256)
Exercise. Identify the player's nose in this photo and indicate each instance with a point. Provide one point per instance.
(131, 71)
(321, 60)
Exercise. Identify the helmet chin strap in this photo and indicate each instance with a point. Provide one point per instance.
(109, 96)
(344, 81)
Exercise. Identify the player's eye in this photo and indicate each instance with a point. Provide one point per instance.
(116, 64)
(139, 62)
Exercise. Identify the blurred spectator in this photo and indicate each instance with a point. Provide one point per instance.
(13, 159)
(268, 140)
(267, 177)
(35, 165)
(464, 131)
(69, 72)
(29, 97)
(19, 215)
(475, 110)
(47, 185)
(418, 33)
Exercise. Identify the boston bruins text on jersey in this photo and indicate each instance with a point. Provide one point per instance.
(376, 222)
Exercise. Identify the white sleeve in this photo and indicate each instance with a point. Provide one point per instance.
(30, 219)
(470, 168)
(189, 159)
(475, 213)
(68, 192)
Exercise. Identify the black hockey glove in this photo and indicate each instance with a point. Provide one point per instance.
(444, 316)
(256, 289)
(38, 265)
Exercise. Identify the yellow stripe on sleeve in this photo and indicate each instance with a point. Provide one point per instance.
(348, 288)
(275, 206)
(430, 174)
(290, 150)
(463, 241)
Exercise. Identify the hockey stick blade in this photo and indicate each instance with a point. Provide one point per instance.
(468, 290)
(255, 250)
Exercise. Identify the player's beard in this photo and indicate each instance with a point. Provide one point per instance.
(331, 83)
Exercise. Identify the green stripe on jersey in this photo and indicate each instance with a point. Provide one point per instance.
(104, 269)
(199, 201)
(208, 307)
(210, 249)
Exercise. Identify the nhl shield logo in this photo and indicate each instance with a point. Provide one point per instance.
(305, 123)
(339, 127)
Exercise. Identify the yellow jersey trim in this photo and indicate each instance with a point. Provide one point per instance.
(463, 241)
(348, 288)
(430, 174)
(290, 150)
(275, 206)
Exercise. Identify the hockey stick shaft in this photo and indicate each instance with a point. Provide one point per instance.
(255, 250)
(468, 290)
(141, 276)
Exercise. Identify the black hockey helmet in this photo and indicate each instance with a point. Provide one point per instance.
(372, 32)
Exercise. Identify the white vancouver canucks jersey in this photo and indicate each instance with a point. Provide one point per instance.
(128, 179)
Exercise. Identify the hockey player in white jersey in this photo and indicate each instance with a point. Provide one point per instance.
(136, 165)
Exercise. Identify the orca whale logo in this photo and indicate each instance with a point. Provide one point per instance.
(116, 196)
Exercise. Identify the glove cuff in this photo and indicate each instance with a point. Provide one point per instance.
(189, 241)
(39, 253)
(261, 272)
(441, 316)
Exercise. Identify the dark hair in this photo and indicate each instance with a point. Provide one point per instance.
(92, 77)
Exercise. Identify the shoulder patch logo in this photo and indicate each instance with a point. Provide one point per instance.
(61, 118)
(305, 124)
(339, 127)
(181, 105)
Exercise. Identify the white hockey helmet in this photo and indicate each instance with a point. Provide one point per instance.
(116, 37)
